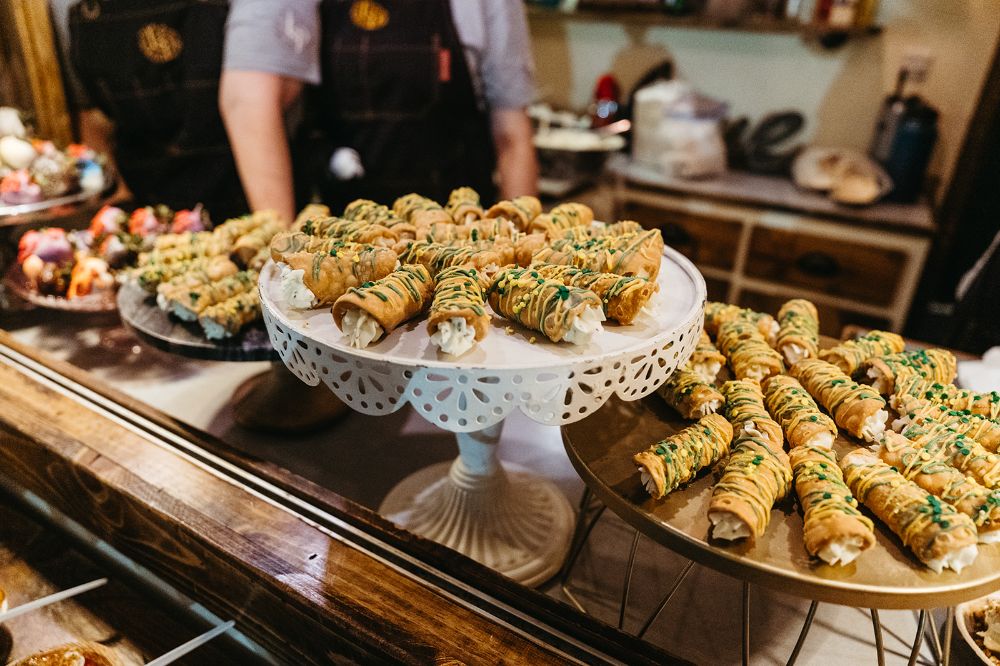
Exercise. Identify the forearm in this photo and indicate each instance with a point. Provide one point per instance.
(252, 106)
(516, 161)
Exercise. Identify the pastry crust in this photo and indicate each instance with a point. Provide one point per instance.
(546, 306)
(621, 228)
(420, 211)
(622, 297)
(932, 529)
(799, 415)
(636, 254)
(290, 242)
(798, 332)
(435, 257)
(677, 459)
(949, 395)
(855, 408)
(463, 205)
(73, 654)
(964, 453)
(459, 292)
(225, 318)
(311, 211)
(685, 391)
(706, 360)
(477, 230)
(187, 304)
(756, 476)
(983, 430)
(525, 248)
(937, 365)
(328, 275)
(749, 355)
(398, 297)
(830, 512)
(851, 354)
(745, 410)
(357, 231)
(520, 210)
(717, 314)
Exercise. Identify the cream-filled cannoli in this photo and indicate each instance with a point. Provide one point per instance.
(857, 409)
(477, 230)
(706, 360)
(357, 231)
(557, 228)
(851, 354)
(192, 248)
(917, 410)
(580, 214)
(756, 476)
(964, 453)
(949, 395)
(365, 210)
(463, 205)
(622, 297)
(230, 230)
(799, 415)
(258, 260)
(525, 248)
(940, 479)
(637, 254)
(547, 306)
(435, 257)
(520, 210)
(170, 241)
(187, 304)
(310, 212)
(367, 313)
(289, 242)
(798, 332)
(686, 392)
(834, 529)
(937, 365)
(248, 245)
(940, 536)
(420, 211)
(664, 466)
(458, 317)
(226, 318)
(150, 277)
(745, 410)
(599, 229)
(749, 355)
(209, 270)
(717, 314)
(313, 279)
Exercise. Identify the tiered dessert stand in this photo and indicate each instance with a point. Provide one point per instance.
(504, 517)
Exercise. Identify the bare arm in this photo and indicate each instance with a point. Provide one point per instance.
(516, 161)
(252, 106)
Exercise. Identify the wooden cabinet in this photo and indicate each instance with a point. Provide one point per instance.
(857, 267)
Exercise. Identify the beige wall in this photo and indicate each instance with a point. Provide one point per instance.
(839, 91)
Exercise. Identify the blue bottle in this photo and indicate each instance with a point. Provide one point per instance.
(911, 150)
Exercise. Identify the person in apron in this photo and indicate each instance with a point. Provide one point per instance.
(152, 68)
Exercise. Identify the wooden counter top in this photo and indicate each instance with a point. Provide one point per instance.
(307, 574)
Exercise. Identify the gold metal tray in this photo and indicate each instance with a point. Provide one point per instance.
(885, 576)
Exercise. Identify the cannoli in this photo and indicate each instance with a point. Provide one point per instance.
(290, 242)
(419, 211)
(935, 531)
(358, 231)
(792, 406)
(745, 410)
(520, 210)
(621, 297)
(716, 314)
(749, 355)
(756, 476)
(477, 230)
(857, 409)
(834, 529)
(546, 306)
(368, 211)
(225, 319)
(964, 453)
(435, 257)
(942, 480)
(798, 332)
(601, 229)
(458, 316)
(258, 260)
(170, 241)
(312, 279)
(185, 251)
(937, 365)
(706, 360)
(248, 245)
(230, 230)
(851, 354)
(917, 410)
(637, 254)
(151, 276)
(677, 459)
(206, 271)
(463, 205)
(187, 304)
(686, 392)
(311, 211)
(525, 248)
(949, 395)
(580, 214)
(366, 313)
(556, 228)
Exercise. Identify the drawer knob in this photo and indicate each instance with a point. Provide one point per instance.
(818, 264)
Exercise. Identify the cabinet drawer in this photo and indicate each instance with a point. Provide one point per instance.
(703, 240)
(831, 319)
(836, 267)
(718, 290)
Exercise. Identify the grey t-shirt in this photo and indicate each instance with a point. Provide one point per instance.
(282, 37)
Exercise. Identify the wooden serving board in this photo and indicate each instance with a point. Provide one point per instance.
(152, 325)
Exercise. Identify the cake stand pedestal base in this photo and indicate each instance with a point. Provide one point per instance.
(499, 515)
(276, 401)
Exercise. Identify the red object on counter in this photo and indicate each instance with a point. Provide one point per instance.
(607, 93)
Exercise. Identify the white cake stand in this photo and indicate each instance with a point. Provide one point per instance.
(508, 519)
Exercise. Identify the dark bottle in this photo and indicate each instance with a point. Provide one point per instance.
(889, 115)
(911, 150)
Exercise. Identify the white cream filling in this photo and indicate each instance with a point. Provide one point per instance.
(991, 637)
(293, 290)
(454, 336)
(794, 353)
(823, 440)
(900, 424)
(707, 371)
(214, 330)
(162, 302)
(727, 526)
(584, 326)
(874, 426)
(647, 481)
(756, 373)
(772, 334)
(880, 382)
(993, 536)
(360, 328)
(710, 407)
(841, 551)
(956, 560)
(183, 313)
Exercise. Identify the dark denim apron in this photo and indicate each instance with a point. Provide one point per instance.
(153, 66)
(397, 89)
